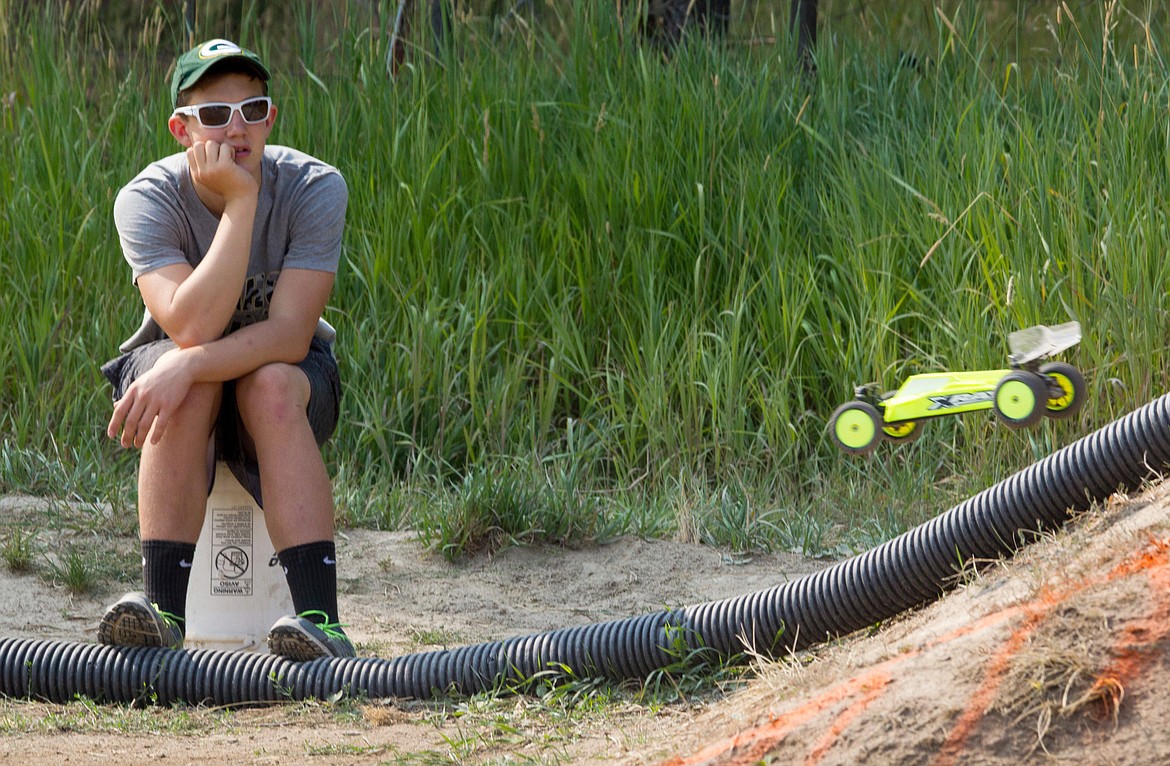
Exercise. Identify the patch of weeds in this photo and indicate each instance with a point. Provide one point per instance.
(78, 570)
(583, 696)
(424, 758)
(435, 637)
(463, 747)
(373, 648)
(696, 673)
(573, 511)
(83, 715)
(730, 520)
(803, 532)
(542, 714)
(18, 551)
(66, 473)
(88, 518)
(340, 707)
(75, 571)
(342, 749)
(31, 471)
(513, 501)
(540, 720)
(484, 723)
(724, 517)
(490, 507)
(642, 514)
(376, 505)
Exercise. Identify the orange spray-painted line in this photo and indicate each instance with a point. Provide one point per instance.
(1136, 645)
(752, 745)
(876, 689)
(743, 747)
(970, 718)
(1038, 609)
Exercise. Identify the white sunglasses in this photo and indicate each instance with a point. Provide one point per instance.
(217, 114)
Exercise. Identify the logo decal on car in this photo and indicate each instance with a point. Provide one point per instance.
(951, 401)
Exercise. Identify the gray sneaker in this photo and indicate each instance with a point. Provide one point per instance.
(134, 621)
(300, 639)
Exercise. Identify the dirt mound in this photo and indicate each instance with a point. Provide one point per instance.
(1060, 654)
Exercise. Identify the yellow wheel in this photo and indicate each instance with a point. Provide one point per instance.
(903, 432)
(1066, 390)
(1020, 399)
(856, 427)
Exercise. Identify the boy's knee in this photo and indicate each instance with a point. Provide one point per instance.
(272, 394)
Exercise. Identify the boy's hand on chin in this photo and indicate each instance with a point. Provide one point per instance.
(213, 166)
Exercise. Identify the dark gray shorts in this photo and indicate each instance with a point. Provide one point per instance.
(232, 444)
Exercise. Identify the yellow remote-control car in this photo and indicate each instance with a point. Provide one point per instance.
(1019, 396)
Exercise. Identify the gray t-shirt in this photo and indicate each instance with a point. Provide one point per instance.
(300, 215)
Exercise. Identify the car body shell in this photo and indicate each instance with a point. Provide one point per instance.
(941, 393)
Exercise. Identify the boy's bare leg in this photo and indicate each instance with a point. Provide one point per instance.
(173, 474)
(298, 494)
(172, 498)
(298, 503)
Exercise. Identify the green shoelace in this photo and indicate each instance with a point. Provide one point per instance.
(330, 629)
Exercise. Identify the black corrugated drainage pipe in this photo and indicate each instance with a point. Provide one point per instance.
(909, 571)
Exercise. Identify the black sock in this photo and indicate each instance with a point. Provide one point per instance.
(166, 572)
(311, 572)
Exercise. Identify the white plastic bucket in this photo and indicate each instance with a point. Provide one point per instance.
(237, 589)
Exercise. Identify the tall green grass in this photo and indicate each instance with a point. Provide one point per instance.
(587, 290)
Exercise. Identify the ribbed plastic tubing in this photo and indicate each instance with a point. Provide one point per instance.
(906, 572)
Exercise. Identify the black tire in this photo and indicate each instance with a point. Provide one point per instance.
(1020, 399)
(856, 427)
(1072, 387)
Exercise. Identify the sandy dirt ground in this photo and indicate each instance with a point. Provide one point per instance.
(1059, 655)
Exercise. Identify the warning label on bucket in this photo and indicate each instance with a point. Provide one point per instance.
(231, 551)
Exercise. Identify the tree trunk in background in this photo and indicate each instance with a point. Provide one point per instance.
(667, 20)
(803, 21)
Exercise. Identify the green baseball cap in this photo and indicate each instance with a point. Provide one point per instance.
(194, 63)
